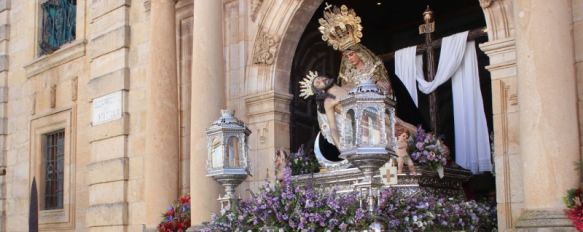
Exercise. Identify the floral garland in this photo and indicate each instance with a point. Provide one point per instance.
(177, 217)
(303, 208)
(428, 150)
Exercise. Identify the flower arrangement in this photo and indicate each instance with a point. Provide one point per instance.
(428, 150)
(302, 162)
(574, 209)
(177, 217)
(303, 208)
(292, 208)
(435, 213)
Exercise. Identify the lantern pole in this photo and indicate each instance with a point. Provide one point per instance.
(368, 156)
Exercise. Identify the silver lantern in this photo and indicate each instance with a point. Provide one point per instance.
(368, 137)
(228, 161)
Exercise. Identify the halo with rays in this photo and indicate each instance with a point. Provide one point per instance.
(306, 85)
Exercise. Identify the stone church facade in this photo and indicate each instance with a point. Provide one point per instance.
(128, 99)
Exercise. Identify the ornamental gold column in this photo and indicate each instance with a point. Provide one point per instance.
(549, 137)
(208, 98)
(161, 158)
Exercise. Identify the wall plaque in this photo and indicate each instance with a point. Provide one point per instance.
(107, 108)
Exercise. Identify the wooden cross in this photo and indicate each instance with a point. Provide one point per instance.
(427, 29)
(428, 48)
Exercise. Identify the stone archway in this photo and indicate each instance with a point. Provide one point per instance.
(501, 50)
(267, 85)
(268, 92)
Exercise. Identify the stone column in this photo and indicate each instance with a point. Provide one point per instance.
(549, 138)
(161, 158)
(208, 97)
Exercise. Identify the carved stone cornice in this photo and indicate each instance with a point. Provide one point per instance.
(268, 106)
(264, 49)
(66, 53)
(255, 6)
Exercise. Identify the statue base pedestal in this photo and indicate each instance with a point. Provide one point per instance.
(426, 181)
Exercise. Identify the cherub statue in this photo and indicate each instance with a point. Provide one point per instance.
(281, 163)
(402, 154)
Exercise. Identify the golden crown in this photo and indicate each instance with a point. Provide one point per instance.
(306, 85)
(340, 27)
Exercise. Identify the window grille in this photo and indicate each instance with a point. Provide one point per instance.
(58, 24)
(54, 153)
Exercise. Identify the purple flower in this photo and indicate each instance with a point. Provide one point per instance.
(343, 226)
(419, 145)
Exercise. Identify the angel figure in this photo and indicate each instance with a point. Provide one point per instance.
(402, 153)
(281, 162)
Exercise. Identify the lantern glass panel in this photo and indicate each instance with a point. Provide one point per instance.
(370, 126)
(216, 154)
(233, 152)
(350, 129)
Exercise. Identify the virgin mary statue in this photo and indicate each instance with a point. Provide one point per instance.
(341, 29)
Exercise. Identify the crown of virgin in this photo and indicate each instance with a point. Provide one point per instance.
(340, 27)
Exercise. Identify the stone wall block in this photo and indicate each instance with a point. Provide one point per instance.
(107, 193)
(3, 153)
(107, 215)
(4, 5)
(109, 83)
(3, 63)
(3, 126)
(115, 60)
(101, 7)
(4, 32)
(578, 39)
(116, 18)
(3, 94)
(579, 74)
(110, 148)
(111, 129)
(110, 41)
(108, 229)
(107, 171)
(577, 10)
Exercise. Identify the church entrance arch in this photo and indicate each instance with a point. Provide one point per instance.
(499, 47)
(389, 27)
